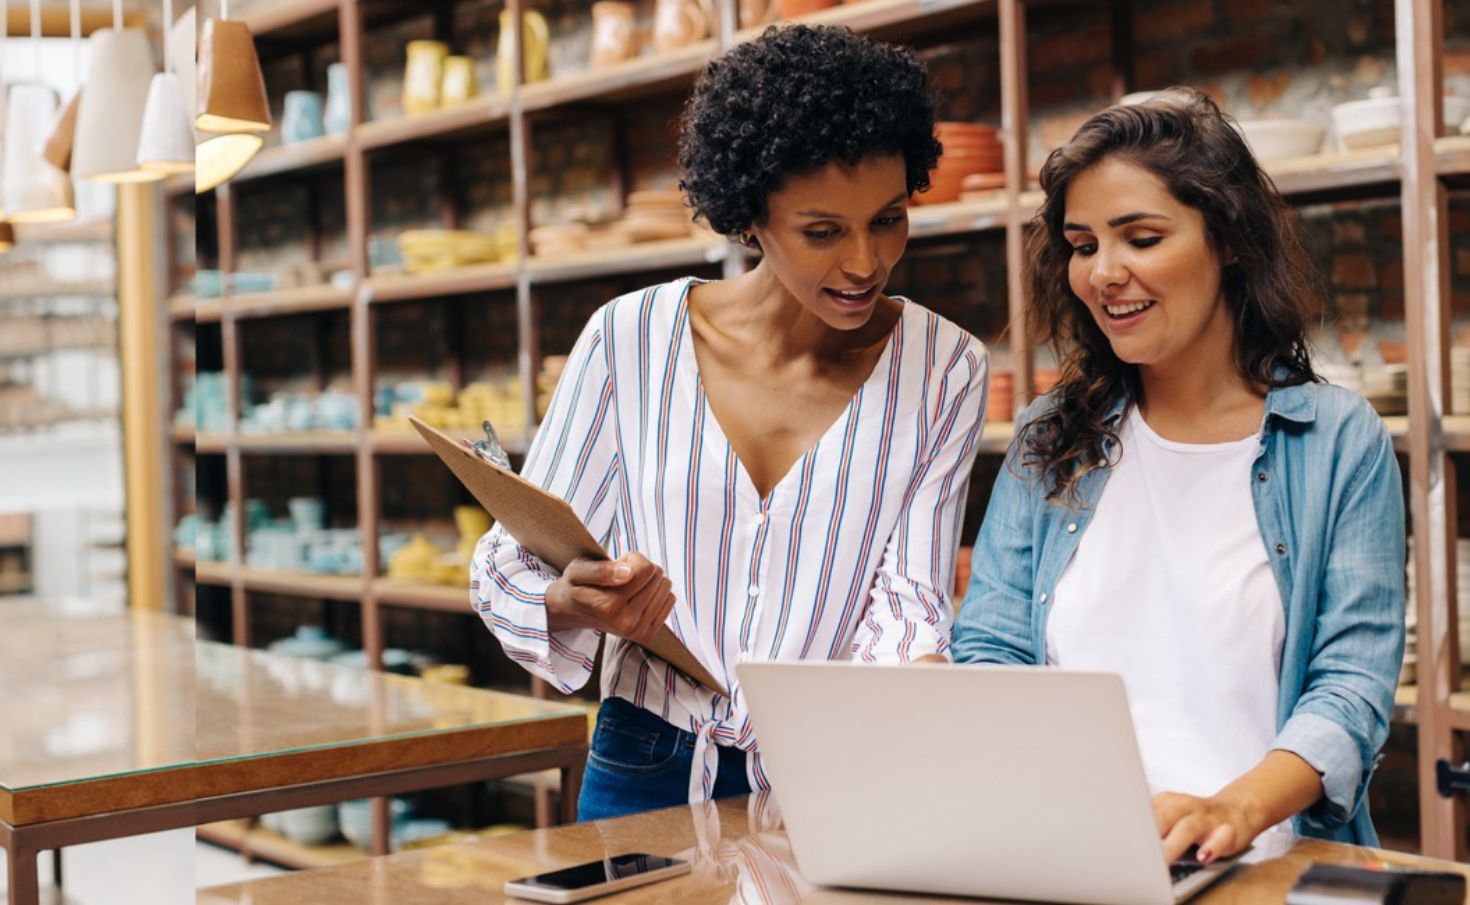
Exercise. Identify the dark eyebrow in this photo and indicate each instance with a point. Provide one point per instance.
(829, 215)
(1116, 221)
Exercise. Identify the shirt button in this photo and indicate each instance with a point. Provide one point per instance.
(1043, 598)
(760, 518)
(1281, 548)
(1261, 476)
(1072, 528)
(754, 591)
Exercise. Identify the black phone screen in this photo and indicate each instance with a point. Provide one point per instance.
(594, 873)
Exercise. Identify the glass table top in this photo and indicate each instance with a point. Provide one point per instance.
(91, 693)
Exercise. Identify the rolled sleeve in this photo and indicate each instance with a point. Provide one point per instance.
(911, 610)
(574, 457)
(1332, 752)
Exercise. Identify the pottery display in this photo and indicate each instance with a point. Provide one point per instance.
(793, 9)
(459, 83)
(1282, 139)
(679, 23)
(302, 118)
(535, 47)
(970, 149)
(1374, 122)
(754, 13)
(337, 117)
(614, 32)
(423, 75)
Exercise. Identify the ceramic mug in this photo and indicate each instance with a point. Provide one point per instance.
(338, 116)
(679, 23)
(422, 75)
(613, 32)
(459, 83)
(302, 118)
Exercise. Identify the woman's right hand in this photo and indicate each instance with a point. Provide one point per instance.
(629, 597)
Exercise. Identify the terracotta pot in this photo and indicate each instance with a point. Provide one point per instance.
(679, 23)
(791, 9)
(614, 32)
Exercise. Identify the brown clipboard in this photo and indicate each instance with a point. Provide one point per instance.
(545, 525)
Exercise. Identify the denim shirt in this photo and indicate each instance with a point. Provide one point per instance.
(1330, 506)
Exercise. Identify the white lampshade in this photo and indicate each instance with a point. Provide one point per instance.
(220, 157)
(35, 191)
(110, 118)
(181, 48)
(166, 144)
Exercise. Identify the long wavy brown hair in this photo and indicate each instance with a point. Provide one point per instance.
(1185, 140)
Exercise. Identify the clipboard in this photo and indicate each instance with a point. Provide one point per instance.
(545, 525)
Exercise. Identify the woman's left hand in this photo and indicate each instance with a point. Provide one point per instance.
(1219, 826)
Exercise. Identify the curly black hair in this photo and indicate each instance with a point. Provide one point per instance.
(789, 102)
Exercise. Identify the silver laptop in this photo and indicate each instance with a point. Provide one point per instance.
(994, 781)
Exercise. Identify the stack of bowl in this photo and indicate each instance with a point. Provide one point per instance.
(1387, 388)
(654, 215)
(969, 149)
(1000, 404)
(559, 240)
(429, 250)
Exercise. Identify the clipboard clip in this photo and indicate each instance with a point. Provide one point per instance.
(490, 449)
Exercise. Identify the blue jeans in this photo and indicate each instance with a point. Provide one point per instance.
(640, 763)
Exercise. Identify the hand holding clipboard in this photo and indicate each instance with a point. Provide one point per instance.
(548, 528)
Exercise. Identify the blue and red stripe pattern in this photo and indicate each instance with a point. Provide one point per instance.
(851, 555)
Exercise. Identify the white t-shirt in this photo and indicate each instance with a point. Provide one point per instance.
(1171, 588)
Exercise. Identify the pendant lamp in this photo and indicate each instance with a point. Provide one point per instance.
(35, 190)
(64, 130)
(166, 144)
(220, 157)
(231, 88)
(110, 115)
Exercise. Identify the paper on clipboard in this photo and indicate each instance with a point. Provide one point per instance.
(546, 526)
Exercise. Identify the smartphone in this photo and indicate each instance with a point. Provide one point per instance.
(596, 878)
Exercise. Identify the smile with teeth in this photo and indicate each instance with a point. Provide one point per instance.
(853, 295)
(1123, 309)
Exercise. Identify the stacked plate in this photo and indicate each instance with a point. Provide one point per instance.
(969, 149)
(562, 239)
(980, 186)
(1387, 388)
(655, 215)
(429, 250)
(1460, 380)
(1411, 618)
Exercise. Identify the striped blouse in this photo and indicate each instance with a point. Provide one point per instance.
(852, 554)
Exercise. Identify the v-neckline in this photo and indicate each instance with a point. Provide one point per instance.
(880, 368)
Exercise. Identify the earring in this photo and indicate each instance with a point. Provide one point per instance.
(748, 240)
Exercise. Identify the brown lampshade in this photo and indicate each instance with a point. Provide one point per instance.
(231, 88)
(63, 135)
(218, 158)
(7, 236)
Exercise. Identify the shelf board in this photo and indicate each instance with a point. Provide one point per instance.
(928, 221)
(298, 300)
(302, 584)
(890, 19)
(440, 597)
(402, 287)
(643, 256)
(50, 288)
(178, 184)
(184, 557)
(265, 845)
(409, 443)
(72, 231)
(213, 573)
(309, 442)
(1452, 155)
(479, 114)
(178, 433)
(622, 81)
(294, 158)
(1336, 171)
(211, 443)
(293, 20)
(182, 307)
(209, 311)
(1406, 707)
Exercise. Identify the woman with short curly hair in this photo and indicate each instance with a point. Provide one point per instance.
(777, 462)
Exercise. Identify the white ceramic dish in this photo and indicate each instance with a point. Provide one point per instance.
(1282, 139)
(1375, 122)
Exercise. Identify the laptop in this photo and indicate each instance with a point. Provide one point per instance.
(993, 781)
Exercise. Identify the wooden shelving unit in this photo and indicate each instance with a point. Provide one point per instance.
(1416, 172)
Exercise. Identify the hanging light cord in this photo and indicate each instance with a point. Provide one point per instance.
(224, 9)
(117, 22)
(168, 24)
(76, 39)
(36, 40)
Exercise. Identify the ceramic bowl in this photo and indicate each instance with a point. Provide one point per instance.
(1282, 139)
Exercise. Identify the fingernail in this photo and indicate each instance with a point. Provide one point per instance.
(622, 572)
(1204, 856)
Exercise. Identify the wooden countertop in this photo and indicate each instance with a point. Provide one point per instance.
(113, 710)
(739, 853)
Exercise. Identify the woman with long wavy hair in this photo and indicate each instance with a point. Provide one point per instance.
(1191, 508)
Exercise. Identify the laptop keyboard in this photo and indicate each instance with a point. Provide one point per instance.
(1181, 869)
